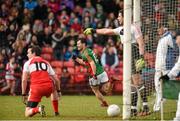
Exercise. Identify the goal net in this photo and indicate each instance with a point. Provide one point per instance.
(156, 13)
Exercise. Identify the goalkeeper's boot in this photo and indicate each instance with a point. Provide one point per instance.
(104, 104)
(134, 112)
(56, 114)
(145, 111)
(42, 111)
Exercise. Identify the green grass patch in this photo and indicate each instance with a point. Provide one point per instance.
(74, 108)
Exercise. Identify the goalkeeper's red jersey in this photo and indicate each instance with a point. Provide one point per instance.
(39, 70)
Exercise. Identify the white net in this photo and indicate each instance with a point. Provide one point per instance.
(157, 16)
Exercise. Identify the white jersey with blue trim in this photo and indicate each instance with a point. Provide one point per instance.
(164, 42)
(135, 32)
(176, 69)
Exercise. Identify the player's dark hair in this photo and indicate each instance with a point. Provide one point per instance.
(35, 49)
(83, 40)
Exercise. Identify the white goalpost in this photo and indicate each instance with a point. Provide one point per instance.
(127, 60)
(148, 14)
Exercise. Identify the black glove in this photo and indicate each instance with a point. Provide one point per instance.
(24, 99)
(164, 77)
(59, 93)
(74, 56)
(75, 53)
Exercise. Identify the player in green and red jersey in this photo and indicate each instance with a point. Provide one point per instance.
(98, 77)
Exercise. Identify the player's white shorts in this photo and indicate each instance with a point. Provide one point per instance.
(101, 78)
(9, 77)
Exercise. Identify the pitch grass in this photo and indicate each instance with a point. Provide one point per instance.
(73, 108)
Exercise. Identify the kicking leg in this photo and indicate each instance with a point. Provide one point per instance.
(99, 95)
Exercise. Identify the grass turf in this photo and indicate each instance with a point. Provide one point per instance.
(73, 108)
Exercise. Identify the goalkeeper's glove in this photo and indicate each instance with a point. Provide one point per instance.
(164, 78)
(140, 64)
(89, 31)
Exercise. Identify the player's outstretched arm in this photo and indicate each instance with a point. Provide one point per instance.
(103, 31)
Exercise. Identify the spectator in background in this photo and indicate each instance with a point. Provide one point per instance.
(3, 28)
(11, 34)
(40, 11)
(78, 10)
(111, 21)
(2, 71)
(10, 79)
(69, 50)
(51, 20)
(68, 53)
(27, 16)
(19, 44)
(65, 78)
(109, 58)
(58, 43)
(63, 17)
(17, 76)
(30, 4)
(37, 26)
(25, 33)
(68, 3)
(3, 11)
(45, 39)
(53, 6)
(34, 40)
(76, 25)
(89, 8)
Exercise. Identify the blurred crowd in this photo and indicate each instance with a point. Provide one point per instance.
(55, 25)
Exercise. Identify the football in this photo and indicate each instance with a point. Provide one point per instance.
(113, 110)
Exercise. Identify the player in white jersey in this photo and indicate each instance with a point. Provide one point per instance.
(165, 41)
(173, 73)
(10, 79)
(137, 52)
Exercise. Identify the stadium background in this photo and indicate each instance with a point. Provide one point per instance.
(55, 25)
